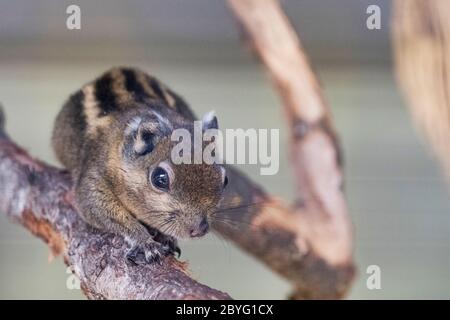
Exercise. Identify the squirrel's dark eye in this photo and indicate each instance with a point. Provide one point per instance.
(160, 179)
(225, 181)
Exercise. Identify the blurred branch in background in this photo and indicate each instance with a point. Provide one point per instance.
(319, 222)
(421, 40)
(310, 243)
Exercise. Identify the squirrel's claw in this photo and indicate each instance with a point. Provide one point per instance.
(176, 249)
(170, 244)
(153, 250)
(145, 253)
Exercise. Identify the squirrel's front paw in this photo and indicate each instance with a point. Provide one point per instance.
(147, 252)
(172, 247)
(169, 243)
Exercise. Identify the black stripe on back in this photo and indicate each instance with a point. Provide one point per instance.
(132, 85)
(104, 94)
(154, 84)
(79, 119)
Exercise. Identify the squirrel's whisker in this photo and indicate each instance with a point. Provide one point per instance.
(233, 222)
(248, 205)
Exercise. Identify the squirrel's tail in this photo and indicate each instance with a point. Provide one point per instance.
(421, 41)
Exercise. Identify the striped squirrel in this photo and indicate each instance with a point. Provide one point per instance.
(114, 136)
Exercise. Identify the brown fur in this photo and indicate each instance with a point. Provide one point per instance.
(99, 135)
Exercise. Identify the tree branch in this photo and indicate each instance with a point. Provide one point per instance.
(421, 41)
(311, 243)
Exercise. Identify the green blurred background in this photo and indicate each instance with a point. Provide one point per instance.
(398, 199)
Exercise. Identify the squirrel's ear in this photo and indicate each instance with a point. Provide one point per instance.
(210, 121)
(139, 138)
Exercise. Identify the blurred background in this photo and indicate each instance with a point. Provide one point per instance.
(398, 199)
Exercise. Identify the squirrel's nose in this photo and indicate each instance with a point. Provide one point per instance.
(200, 230)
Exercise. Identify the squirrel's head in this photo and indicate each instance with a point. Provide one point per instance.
(177, 199)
